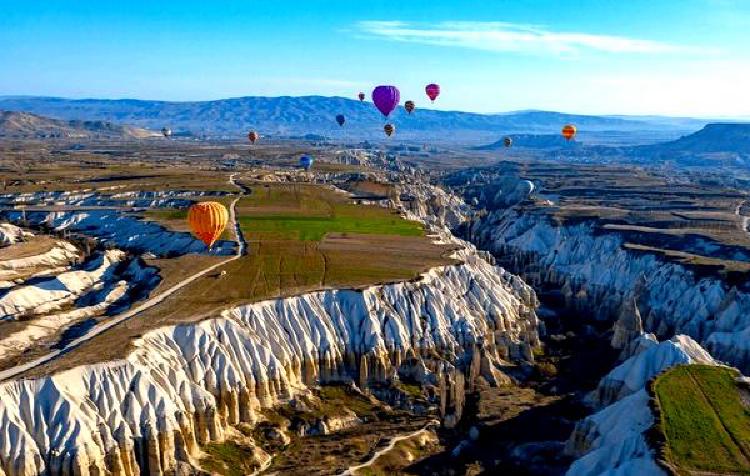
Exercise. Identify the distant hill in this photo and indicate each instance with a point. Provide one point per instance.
(23, 125)
(295, 116)
(721, 137)
(532, 141)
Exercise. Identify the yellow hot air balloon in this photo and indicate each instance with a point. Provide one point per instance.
(569, 131)
(207, 221)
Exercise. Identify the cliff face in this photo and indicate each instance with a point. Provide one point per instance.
(596, 272)
(612, 441)
(183, 386)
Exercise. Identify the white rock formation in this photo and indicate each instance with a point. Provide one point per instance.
(105, 290)
(598, 272)
(125, 231)
(633, 374)
(53, 293)
(183, 385)
(10, 234)
(59, 256)
(612, 441)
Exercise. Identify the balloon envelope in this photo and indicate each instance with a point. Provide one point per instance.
(252, 136)
(569, 131)
(389, 129)
(386, 98)
(207, 220)
(306, 162)
(508, 142)
(409, 106)
(361, 96)
(340, 119)
(432, 90)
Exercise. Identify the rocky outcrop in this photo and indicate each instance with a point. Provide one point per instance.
(112, 284)
(432, 205)
(182, 386)
(10, 234)
(628, 326)
(597, 273)
(124, 231)
(45, 295)
(612, 441)
(653, 358)
(61, 255)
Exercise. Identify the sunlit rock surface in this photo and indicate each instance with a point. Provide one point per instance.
(599, 275)
(612, 441)
(10, 234)
(182, 386)
(124, 231)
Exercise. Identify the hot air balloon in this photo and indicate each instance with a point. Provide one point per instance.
(340, 119)
(389, 129)
(207, 221)
(306, 162)
(386, 98)
(166, 132)
(361, 96)
(252, 136)
(507, 141)
(569, 131)
(409, 106)
(433, 91)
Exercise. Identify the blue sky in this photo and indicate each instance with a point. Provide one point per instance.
(676, 57)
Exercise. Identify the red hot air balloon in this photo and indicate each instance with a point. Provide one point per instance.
(569, 131)
(386, 98)
(361, 96)
(409, 106)
(433, 91)
(252, 136)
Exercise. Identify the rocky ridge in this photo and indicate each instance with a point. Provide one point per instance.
(612, 441)
(597, 273)
(184, 386)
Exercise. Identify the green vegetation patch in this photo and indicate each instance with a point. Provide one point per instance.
(308, 213)
(704, 420)
(228, 458)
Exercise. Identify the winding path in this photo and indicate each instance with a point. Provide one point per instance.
(391, 444)
(149, 303)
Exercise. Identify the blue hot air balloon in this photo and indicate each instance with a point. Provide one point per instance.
(306, 162)
(340, 119)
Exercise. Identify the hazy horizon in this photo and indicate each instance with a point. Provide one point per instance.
(425, 107)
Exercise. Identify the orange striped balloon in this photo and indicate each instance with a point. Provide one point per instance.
(569, 131)
(208, 220)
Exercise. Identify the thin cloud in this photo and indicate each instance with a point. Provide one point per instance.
(510, 37)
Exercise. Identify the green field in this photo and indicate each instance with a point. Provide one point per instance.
(303, 223)
(308, 213)
(705, 423)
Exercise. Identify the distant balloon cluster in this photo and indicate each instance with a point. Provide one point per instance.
(208, 220)
(386, 98)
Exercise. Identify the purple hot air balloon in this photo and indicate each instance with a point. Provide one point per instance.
(386, 98)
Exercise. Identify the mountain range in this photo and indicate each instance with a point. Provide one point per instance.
(23, 125)
(288, 116)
